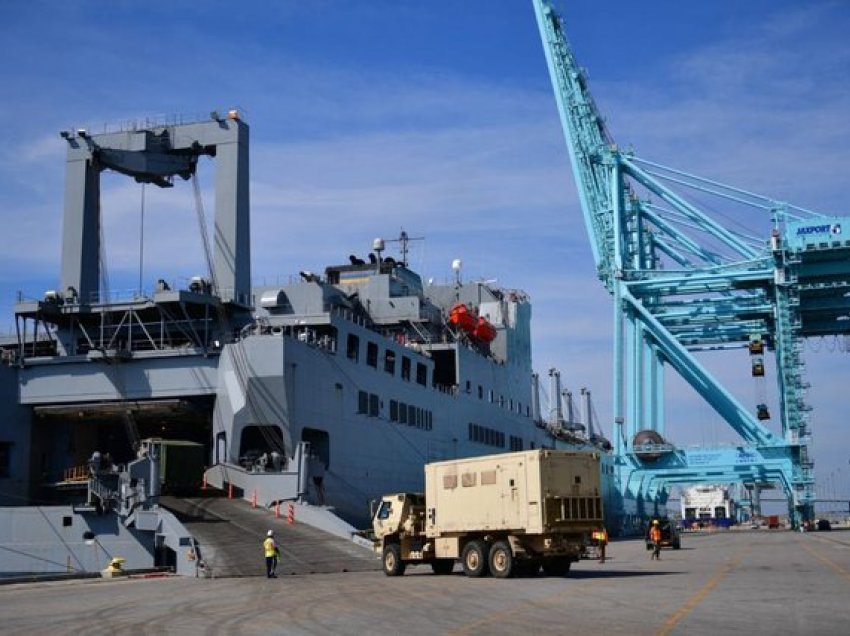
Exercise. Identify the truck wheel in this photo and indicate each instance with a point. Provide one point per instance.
(474, 558)
(501, 560)
(443, 566)
(556, 566)
(393, 565)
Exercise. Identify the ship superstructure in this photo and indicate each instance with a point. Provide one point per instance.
(333, 388)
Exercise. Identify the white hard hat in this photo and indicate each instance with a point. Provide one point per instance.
(270, 533)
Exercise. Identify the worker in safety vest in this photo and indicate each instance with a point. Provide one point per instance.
(272, 553)
(655, 539)
(600, 538)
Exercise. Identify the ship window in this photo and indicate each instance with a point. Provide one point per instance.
(374, 405)
(5, 459)
(402, 412)
(352, 349)
(480, 392)
(405, 368)
(393, 411)
(421, 374)
(372, 354)
(490, 395)
(362, 402)
(389, 361)
(411, 415)
(67, 521)
(468, 386)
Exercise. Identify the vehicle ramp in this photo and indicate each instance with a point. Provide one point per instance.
(230, 533)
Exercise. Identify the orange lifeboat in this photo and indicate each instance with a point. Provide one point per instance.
(461, 317)
(484, 331)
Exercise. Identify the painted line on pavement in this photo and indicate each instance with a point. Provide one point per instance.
(689, 605)
(826, 560)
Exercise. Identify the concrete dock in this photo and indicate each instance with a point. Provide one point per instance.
(746, 582)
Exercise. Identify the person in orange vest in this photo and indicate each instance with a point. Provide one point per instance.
(600, 537)
(655, 539)
(271, 551)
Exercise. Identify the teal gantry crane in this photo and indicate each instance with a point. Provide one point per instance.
(683, 282)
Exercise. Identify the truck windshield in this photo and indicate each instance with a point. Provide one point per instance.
(385, 509)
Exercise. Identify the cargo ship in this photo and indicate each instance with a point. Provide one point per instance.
(331, 389)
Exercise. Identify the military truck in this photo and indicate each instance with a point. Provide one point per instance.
(181, 464)
(502, 514)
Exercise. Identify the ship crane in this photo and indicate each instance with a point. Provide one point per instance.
(684, 282)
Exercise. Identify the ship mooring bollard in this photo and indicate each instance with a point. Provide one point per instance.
(277, 510)
(254, 499)
(290, 514)
(230, 490)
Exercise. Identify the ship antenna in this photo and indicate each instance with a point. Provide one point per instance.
(404, 239)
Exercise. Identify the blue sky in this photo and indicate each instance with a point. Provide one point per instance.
(437, 117)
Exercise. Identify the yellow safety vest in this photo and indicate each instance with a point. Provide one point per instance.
(270, 547)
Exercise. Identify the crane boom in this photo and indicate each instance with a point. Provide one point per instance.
(588, 140)
(685, 282)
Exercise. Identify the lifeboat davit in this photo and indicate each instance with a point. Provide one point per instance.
(484, 331)
(461, 317)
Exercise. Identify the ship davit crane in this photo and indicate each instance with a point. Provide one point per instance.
(684, 283)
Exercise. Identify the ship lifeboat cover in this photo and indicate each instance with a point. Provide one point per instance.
(461, 317)
(484, 331)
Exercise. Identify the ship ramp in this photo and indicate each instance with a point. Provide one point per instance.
(230, 533)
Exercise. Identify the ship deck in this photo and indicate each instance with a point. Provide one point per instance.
(756, 581)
